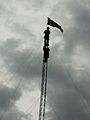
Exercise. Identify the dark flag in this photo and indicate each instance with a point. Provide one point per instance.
(54, 24)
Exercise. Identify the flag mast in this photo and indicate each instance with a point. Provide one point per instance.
(46, 51)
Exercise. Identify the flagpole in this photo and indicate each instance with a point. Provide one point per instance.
(46, 51)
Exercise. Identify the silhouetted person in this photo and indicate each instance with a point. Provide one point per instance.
(46, 37)
(46, 53)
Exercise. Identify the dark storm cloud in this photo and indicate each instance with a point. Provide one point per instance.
(63, 96)
(19, 62)
(7, 97)
(66, 105)
(14, 114)
(78, 25)
(24, 62)
(79, 33)
(71, 102)
(68, 98)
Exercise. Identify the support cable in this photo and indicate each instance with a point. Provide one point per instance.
(83, 101)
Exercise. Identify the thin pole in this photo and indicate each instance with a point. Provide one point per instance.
(46, 51)
(45, 91)
(42, 90)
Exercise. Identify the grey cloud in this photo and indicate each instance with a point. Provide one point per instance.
(67, 105)
(79, 34)
(5, 11)
(68, 101)
(14, 114)
(8, 96)
(8, 110)
(20, 29)
(78, 31)
(39, 4)
(24, 63)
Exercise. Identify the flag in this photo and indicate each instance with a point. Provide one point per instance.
(54, 24)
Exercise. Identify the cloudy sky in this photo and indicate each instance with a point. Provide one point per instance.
(22, 23)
